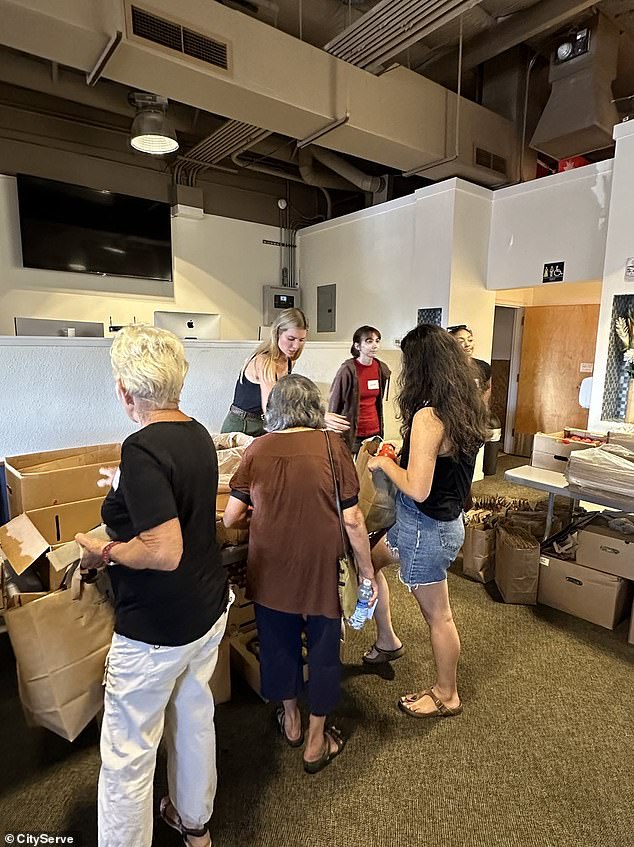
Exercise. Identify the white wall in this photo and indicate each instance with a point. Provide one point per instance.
(220, 265)
(75, 403)
(563, 217)
(387, 262)
(619, 247)
(469, 300)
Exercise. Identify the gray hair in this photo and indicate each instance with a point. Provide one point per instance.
(150, 363)
(294, 401)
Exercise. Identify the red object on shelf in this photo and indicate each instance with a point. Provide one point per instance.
(571, 163)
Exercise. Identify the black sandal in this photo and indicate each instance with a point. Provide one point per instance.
(333, 733)
(382, 656)
(177, 824)
(279, 717)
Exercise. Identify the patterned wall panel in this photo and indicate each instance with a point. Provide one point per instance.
(615, 387)
(430, 316)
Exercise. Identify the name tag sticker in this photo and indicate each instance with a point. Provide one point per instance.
(544, 561)
(373, 385)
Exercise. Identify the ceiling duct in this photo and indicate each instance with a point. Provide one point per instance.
(579, 115)
(391, 27)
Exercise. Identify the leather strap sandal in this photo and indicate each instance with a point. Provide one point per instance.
(382, 656)
(174, 820)
(279, 717)
(441, 710)
(330, 733)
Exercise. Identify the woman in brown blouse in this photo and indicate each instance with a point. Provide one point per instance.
(294, 542)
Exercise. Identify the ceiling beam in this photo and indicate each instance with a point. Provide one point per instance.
(520, 27)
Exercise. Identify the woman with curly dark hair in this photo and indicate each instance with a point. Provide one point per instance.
(443, 426)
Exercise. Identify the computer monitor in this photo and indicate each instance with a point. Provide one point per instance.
(57, 328)
(197, 326)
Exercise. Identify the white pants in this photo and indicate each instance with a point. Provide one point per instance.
(149, 689)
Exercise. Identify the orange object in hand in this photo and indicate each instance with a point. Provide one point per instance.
(388, 450)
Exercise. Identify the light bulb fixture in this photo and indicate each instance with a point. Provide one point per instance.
(152, 130)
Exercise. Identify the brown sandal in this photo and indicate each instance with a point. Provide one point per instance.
(382, 656)
(442, 710)
(177, 824)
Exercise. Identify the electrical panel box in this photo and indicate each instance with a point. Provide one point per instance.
(276, 299)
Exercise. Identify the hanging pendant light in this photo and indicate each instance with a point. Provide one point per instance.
(152, 130)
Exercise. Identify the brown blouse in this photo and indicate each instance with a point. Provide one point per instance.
(294, 536)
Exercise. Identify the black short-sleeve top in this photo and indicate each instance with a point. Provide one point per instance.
(169, 469)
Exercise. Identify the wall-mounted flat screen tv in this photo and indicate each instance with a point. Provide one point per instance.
(67, 227)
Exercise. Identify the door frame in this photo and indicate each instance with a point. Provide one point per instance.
(514, 377)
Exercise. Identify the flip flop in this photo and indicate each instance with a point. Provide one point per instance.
(441, 711)
(177, 824)
(382, 656)
(319, 764)
(279, 717)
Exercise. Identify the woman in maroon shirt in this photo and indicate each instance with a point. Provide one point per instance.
(294, 542)
(359, 387)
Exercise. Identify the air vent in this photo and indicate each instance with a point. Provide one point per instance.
(175, 37)
(486, 159)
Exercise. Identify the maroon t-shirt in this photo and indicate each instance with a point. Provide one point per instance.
(368, 377)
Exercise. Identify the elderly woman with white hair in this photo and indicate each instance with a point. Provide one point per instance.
(294, 543)
(171, 600)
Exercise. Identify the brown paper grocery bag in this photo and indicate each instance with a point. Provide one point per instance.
(516, 565)
(478, 553)
(60, 642)
(376, 495)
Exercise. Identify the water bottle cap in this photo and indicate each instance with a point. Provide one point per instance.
(366, 582)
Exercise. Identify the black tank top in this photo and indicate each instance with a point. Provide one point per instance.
(450, 486)
(246, 395)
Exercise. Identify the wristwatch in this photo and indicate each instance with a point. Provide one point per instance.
(105, 553)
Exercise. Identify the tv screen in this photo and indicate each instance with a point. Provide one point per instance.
(71, 228)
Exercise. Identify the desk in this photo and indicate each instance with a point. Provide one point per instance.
(556, 483)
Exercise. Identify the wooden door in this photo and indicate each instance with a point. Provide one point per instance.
(556, 341)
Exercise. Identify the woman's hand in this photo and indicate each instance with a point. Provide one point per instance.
(91, 550)
(378, 463)
(375, 587)
(109, 475)
(337, 423)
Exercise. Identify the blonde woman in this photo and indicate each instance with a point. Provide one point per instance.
(274, 358)
(171, 600)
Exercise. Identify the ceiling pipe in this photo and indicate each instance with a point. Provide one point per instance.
(345, 169)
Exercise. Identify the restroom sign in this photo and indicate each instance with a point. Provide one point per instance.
(553, 272)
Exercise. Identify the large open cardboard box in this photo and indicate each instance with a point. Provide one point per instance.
(38, 480)
(583, 592)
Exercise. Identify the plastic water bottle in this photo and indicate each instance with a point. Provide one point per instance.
(362, 610)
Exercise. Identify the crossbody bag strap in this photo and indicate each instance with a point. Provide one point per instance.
(337, 500)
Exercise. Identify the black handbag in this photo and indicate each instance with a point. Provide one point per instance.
(348, 577)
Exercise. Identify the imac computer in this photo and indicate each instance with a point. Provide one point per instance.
(194, 326)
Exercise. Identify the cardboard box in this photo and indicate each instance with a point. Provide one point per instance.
(241, 612)
(229, 537)
(38, 480)
(583, 592)
(59, 524)
(605, 550)
(551, 451)
(243, 661)
(220, 682)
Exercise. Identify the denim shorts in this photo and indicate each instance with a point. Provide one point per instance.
(426, 547)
